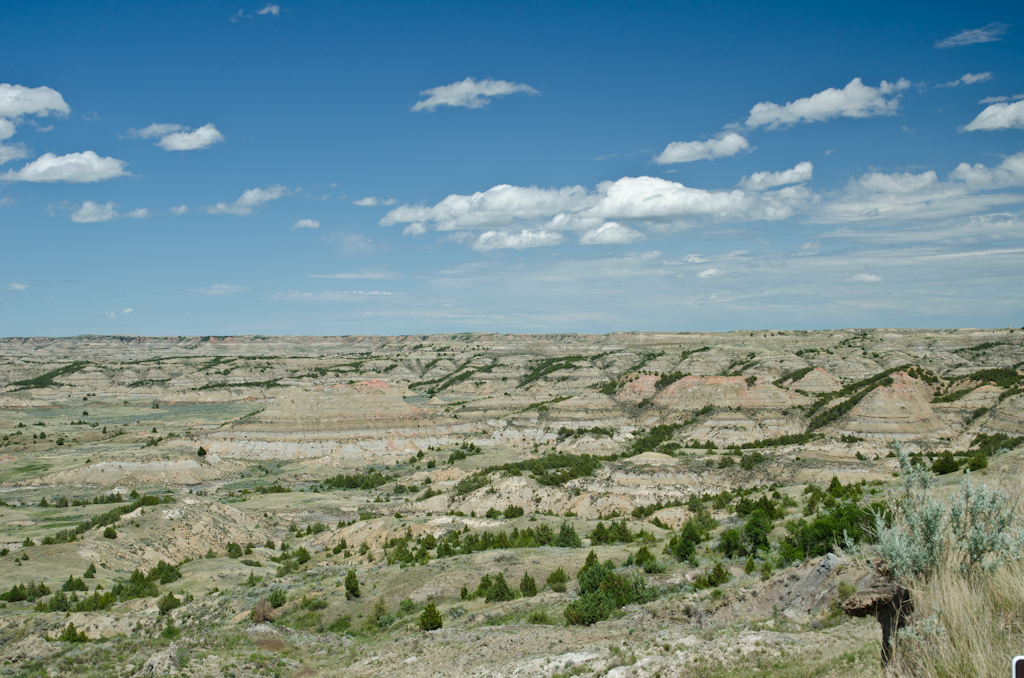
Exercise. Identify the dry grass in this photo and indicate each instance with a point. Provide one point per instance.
(980, 625)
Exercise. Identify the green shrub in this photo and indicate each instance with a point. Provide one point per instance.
(567, 537)
(73, 584)
(234, 550)
(110, 533)
(72, 635)
(302, 555)
(557, 580)
(351, 585)
(430, 618)
(538, 617)
(340, 625)
(730, 543)
(499, 590)
(90, 572)
(946, 463)
(405, 606)
(527, 585)
(749, 566)
(168, 603)
(277, 598)
(210, 554)
(756, 531)
(713, 577)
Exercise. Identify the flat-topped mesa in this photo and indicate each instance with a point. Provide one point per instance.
(899, 411)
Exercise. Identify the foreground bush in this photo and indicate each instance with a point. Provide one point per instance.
(430, 618)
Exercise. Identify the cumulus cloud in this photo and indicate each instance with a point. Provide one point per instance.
(856, 100)
(306, 223)
(968, 79)
(495, 240)
(469, 93)
(178, 137)
(127, 311)
(8, 153)
(611, 233)
(979, 177)
(17, 286)
(864, 277)
(760, 181)
(722, 146)
(91, 212)
(179, 210)
(249, 201)
(371, 202)
(879, 196)
(710, 273)
(17, 100)
(415, 229)
(154, 130)
(80, 168)
(994, 100)
(220, 290)
(573, 208)
(999, 116)
(207, 135)
(274, 10)
(990, 33)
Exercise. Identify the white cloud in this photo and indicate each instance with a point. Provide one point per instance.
(494, 240)
(864, 277)
(721, 146)
(611, 233)
(17, 100)
(979, 177)
(178, 137)
(710, 273)
(110, 314)
(271, 9)
(372, 274)
(8, 153)
(760, 181)
(469, 93)
(127, 311)
(81, 168)
(856, 100)
(91, 212)
(993, 100)
(574, 208)
(249, 200)
(371, 202)
(306, 223)
(415, 229)
(907, 196)
(154, 130)
(219, 290)
(17, 286)
(973, 36)
(694, 259)
(497, 206)
(999, 116)
(179, 210)
(207, 135)
(968, 79)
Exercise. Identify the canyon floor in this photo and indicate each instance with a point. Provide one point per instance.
(262, 471)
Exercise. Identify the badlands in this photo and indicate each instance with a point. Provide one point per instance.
(428, 505)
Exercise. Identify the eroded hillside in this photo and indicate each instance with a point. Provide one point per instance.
(270, 467)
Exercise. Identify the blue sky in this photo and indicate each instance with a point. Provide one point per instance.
(394, 168)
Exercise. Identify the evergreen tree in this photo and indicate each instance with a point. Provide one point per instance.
(430, 618)
(351, 585)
